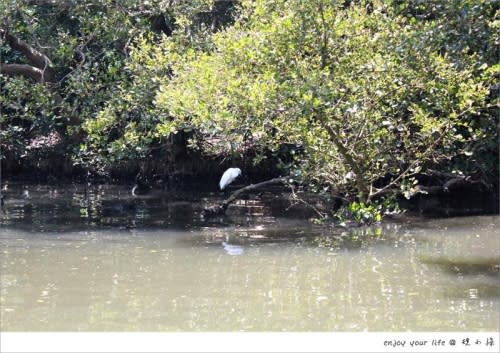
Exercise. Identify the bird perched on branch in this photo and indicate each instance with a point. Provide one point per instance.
(229, 176)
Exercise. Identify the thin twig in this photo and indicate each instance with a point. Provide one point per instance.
(296, 198)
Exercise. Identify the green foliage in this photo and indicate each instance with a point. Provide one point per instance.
(364, 214)
(125, 127)
(364, 96)
(89, 45)
(23, 125)
(467, 32)
(83, 41)
(367, 96)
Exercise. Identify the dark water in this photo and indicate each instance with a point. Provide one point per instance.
(103, 260)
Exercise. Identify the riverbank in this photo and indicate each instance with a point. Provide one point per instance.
(78, 205)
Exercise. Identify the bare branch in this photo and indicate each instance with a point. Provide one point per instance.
(217, 210)
(360, 180)
(297, 199)
(250, 187)
(47, 2)
(37, 59)
(25, 70)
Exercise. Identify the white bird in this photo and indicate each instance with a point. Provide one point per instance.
(229, 176)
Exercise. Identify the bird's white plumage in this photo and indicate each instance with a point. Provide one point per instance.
(229, 176)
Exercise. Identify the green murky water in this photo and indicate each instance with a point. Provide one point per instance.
(106, 261)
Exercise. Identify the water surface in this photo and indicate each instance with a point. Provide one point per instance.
(102, 260)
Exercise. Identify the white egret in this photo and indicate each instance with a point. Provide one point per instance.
(229, 176)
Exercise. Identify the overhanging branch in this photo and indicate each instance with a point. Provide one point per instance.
(40, 69)
(217, 210)
(25, 70)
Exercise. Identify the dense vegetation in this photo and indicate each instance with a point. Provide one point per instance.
(356, 99)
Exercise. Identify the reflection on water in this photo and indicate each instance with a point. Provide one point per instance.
(106, 261)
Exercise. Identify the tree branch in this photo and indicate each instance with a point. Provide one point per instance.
(217, 210)
(47, 2)
(361, 183)
(250, 187)
(25, 70)
(37, 59)
(360, 179)
(324, 37)
(297, 199)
